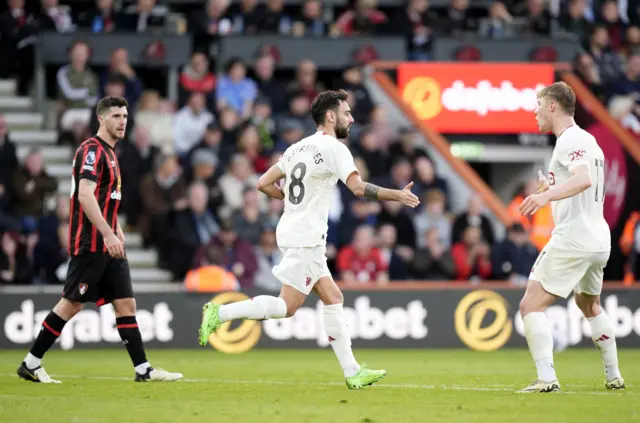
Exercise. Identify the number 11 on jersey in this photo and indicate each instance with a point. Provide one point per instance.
(600, 186)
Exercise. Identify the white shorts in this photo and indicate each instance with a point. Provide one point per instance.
(301, 268)
(560, 271)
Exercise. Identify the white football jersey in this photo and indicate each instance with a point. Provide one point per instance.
(312, 168)
(579, 220)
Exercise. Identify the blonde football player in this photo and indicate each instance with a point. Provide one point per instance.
(575, 257)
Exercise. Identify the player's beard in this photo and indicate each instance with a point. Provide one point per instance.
(113, 133)
(342, 131)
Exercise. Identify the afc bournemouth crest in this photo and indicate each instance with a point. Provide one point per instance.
(83, 288)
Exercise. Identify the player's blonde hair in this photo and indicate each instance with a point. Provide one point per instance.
(561, 93)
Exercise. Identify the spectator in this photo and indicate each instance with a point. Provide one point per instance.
(264, 123)
(230, 125)
(136, 161)
(8, 158)
(228, 250)
(432, 216)
(298, 117)
(400, 176)
(306, 81)
(395, 214)
(408, 147)
(274, 19)
(77, 88)
(458, 19)
(380, 125)
(30, 185)
(54, 18)
(236, 90)
(146, 15)
(51, 257)
(361, 262)
(537, 15)
(247, 18)
(472, 256)
(195, 226)
(352, 80)
(163, 192)
(102, 18)
(274, 212)
(269, 86)
(539, 225)
(610, 18)
(190, 124)
(499, 24)
(204, 164)
(609, 63)
(196, 77)
(249, 145)
(249, 222)
(574, 21)
(370, 151)
(16, 258)
(17, 28)
(362, 20)
(310, 21)
(629, 83)
(632, 40)
(233, 183)
(119, 65)
(213, 23)
(415, 24)
(268, 255)
(396, 258)
(513, 258)
(587, 71)
(426, 177)
(473, 217)
(49, 225)
(433, 261)
(155, 115)
(211, 142)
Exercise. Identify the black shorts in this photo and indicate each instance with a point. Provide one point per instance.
(97, 278)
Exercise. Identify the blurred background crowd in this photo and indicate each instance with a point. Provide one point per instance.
(189, 167)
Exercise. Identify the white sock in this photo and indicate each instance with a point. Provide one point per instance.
(257, 308)
(605, 340)
(339, 339)
(538, 333)
(142, 368)
(32, 361)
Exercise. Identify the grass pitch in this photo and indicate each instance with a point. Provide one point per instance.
(307, 386)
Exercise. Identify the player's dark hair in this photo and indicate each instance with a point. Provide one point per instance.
(108, 102)
(325, 101)
(561, 93)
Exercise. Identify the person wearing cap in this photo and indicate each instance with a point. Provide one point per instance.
(513, 258)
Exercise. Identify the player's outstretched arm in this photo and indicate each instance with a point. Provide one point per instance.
(268, 183)
(369, 190)
(90, 206)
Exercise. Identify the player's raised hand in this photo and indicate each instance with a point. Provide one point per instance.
(114, 246)
(407, 197)
(533, 203)
(543, 182)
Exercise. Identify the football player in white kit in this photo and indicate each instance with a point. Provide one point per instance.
(575, 257)
(311, 169)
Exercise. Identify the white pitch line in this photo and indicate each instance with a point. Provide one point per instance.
(486, 388)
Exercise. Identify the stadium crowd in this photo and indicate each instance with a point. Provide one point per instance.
(189, 168)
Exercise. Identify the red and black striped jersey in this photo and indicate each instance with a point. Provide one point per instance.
(94, 160)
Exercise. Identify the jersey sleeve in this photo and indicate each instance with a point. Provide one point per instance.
(342, 164)
(91, 162)
(574, 153)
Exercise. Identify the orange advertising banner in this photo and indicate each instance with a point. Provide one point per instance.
(475, 98)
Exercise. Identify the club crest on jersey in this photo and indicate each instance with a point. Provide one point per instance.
(576, 155)
(83, 287)
(91, 158)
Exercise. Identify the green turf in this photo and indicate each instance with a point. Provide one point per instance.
(306, 386)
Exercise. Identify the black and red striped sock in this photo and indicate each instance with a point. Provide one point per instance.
(49, 332)
(130, 334)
